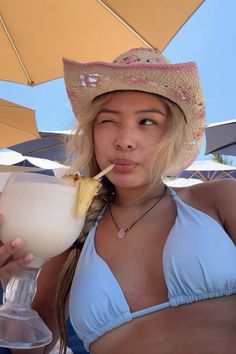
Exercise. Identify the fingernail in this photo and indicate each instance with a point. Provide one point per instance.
(29, 257)
(17, 242)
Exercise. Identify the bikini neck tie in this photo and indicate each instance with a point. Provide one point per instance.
(121, 232)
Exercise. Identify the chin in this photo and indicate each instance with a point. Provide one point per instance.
(127, 182)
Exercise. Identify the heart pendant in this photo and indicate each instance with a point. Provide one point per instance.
(121, 233)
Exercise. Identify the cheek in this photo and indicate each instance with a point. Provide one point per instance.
(101, 147)
(149, 143)
(154, 138)
(148, 148)
(100, 140)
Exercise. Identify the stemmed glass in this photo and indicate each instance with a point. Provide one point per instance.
(39, 209)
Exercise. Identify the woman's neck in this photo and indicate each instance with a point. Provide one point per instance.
(137, 196)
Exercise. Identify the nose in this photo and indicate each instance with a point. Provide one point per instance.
(125, 140)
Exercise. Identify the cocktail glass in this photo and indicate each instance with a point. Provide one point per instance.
(40, 209)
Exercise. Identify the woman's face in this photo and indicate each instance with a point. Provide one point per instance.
(127, 128)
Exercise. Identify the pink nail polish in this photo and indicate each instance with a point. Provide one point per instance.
(29, 257)
(17, 242)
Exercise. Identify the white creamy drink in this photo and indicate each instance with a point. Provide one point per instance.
(48, 213)
(41, 214)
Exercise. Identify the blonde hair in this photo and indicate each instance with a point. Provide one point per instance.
(81, 158)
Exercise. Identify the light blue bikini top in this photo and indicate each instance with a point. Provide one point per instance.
(199, 262)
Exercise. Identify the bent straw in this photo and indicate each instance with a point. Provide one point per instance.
(103, 172)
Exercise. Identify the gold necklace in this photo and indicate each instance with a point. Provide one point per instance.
(121, 232)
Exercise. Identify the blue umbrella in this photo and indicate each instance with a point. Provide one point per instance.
(221, 138)
(51, 146)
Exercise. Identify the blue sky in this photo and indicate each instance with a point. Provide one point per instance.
(208, 37)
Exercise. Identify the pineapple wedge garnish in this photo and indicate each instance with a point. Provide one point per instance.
(86, 189)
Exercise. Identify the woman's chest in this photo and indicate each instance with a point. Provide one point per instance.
(137, 260)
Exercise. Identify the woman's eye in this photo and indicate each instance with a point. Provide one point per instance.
(106, 120)
(147, 121)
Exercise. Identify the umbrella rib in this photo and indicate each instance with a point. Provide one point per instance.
(118, 17)
(16, 107)
(43, 148)
(20, 130)
(30, 82)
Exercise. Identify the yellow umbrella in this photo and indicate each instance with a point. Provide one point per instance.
(35, 35)
(17, 124)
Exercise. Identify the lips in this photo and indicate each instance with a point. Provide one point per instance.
(123, 165)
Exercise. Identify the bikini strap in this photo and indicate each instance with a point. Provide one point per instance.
(174, 195)
(100, 215)
(171, 191)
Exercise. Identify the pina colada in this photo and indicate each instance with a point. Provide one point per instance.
(49, 214)
(42, 214)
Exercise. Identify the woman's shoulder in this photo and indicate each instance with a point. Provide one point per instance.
(217, 197)
(216, 188)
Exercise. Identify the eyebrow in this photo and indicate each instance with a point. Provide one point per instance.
(148, 110)
(107, 110)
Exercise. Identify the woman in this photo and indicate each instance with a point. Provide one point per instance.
(154, 269)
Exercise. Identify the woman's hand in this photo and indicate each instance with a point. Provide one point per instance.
(9, 265)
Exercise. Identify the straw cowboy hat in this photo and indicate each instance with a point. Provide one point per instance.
(142, 69)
